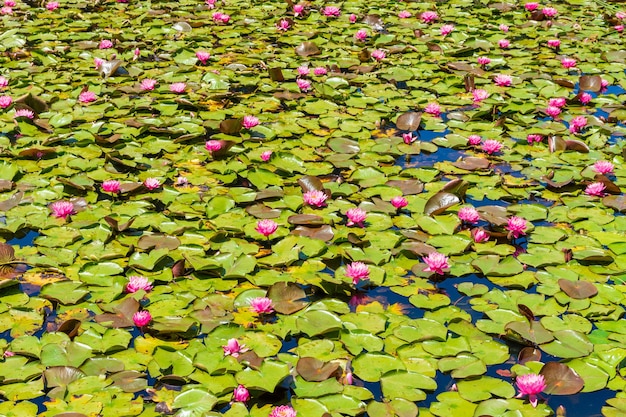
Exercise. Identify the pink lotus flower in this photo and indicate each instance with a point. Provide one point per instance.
(249, 122)
(474, 140)
(469, 215)
(5, 101)
(320, 71)
(604, 83)
(303, 70)
(483, 60)
(87, 96)
(399, 202)
(531, 6)
(479, 235)
(429, 17)
(136, 54)
(241, 394)
(222, 18)
(111, 186)
(603, 167)
(303, 85)
(210, 4)
(619, 28)
(62, 209)
(315, 198)
(516, 226)
(577, 123)
(433, 108)
(178, 87)
(97, 62)
(352, 18)
(503, 27)
(378, 54)
(619, 15)
(531, 385)
(142, 318)
(298, 10)
(261, 305)
(360, 35)
(480, 95)
(549, 11)
(356, 216)
(213, 145)
(553, 111)
(331, 11)
(534, 138)
(12, 3)
(554, 43)
(29, 114)
(151, 183)
(436, 262)
(409, 138)
(585, 98)
(446, 30)
(136, 283)
(105, 44)
(266, 227)
(283, 411)
(6, 11)
(148, 84)
(8, 354)
(266, 155)
(557, 102)
(52, 5)
(595, 189)
(491, 146)
(504, 43)
(357, 271)
(404, 14)
(3, 81)
(502, 80)
(568, 63)
(203, 56)
(283, 25)
(233, 348)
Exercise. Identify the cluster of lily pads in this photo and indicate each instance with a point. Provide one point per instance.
(253, 208)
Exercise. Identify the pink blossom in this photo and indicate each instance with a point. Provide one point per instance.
(213, 145)
(178, 87)
(331, 11)
(433, 108)
(5, 101)
(241, 394)
(557, 102)
(360, 35)
(554, 43)
(503, 27)
(10, 3)
(6, 10)
(480, 95)
(298, 10)
(577, 123)
(97, 62)
(474, 140)
(181, 181)
(266, 227)
(399, 202)
(504, 43)
(283, 411)
(584, 98)
(357, 271)
(534, 138)
(249, 122)
(105, 44)
(111, 186)
(266, 155)
(203, 56)
(516, 226)
(221, 18)
(320, 71)
(29, 114)
(479, 235)
(303, 85)
(436, 262)
(549, 11)
(492, 146)
(553, 111)
(261, 305)
(8, 354)
(52, 5)
(446, 30)
(568, 63)
(595, 189)
(87, 96)
(136, 54)
(3, 81)
(142, 318)
(378, 54)
(148, 84)
(315, 198)
(233, 348)
(429, 17)
(409, 138)
(483, 60)
(210, 3)
(469, 215)
(151, 183)
(352, 18)
(356, 216)
(283, 25)
(303, 70)
(604, 83)
(619, 15)
(404, 14)
(136, 283)
(603, 167)
(62, 209)
(531, 6)
(503, 80)
(619, 28)
(531, 385)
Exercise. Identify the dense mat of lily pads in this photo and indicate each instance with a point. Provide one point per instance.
(224, 197)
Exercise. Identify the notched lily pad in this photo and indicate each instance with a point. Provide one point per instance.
(307, 49)
(306, 219)
(324, 233)
(158, 241)
(561, 379)
(472, 164)
(578, 289)
(590, 83)
(287, 297)
(440, 202)
(409, 121)
(315, 370)
(408, 187)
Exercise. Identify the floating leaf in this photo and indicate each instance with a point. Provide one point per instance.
(578, 289)
(561, 379)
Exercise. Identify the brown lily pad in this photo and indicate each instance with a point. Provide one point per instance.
(287, 297)
(440, 202)
(561, 379)
(578, 289)
(409, 121)
(408, 187)
(306, 219)
(261, 211)
(590, 83)
(158, 241)
(315, 370)
(324, 233)
(307, 49)
(472, 163)
(617, 202)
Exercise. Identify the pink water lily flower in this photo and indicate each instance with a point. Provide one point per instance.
(531, 6)
(111, 186)
(29, 114)
(241, 394)
(136, 283)
(433, 108)
(554, 43)
(474, 140)
(516, 226)
(504, 43)
(222, 18)
(12, 3)
(549, 11)
(213, 145)
(52, 5)
(557, 102)
(266, 155)
(298, 10)
(261, 305)
(357, 271)
(409, 138)
(553, 111)
(492, 146)
(429, 17)
(446, 30)
(404, 14)
(142, 318)
(320, 71)
(503, 80)
(249, 122)
(619, 28)
(585, 98)
(503, 27)
(356, 216)
(479, 235)
(62, 209)
(315, 198)
(360, 35)
(378, 54)
(331, 11)
(6, 11)
(534, 138)
(469, 215)
(151, 183)
(352, 18)
(480, 95)
(568, 63)
(283, 411)
(178, 87)
(483, 60)
(303, 85)
(399, 202)
(3, 81)
(283, 25)
(595, 189)
(266, 227)
(234, 348)
(436, 262)
(577, 124)
(210, 3)
(105, 44)
(87, 97)
(603, 167)
(148, 84)
(97, 62)
(303, 70)
(203, 56)
(530, 385)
